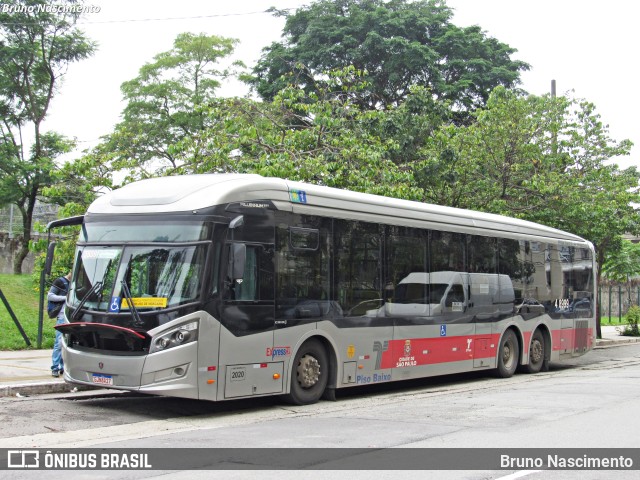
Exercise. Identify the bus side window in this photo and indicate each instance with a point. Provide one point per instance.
(257, 281)
(302, 266)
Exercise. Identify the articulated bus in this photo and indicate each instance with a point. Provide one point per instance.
(229, 286)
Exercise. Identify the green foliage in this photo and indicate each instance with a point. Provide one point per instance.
(24, 301)
(320, 137)
(411, 124)
(536, 158)
(622, 263)
(633, 317)
(65, 239)
(398, 44)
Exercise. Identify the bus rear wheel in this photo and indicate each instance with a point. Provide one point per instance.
(309, 374)
(508, 355)
(536, 353)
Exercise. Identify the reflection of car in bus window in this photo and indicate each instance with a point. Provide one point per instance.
(438, 293)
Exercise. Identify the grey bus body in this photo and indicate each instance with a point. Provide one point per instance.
(229, 286)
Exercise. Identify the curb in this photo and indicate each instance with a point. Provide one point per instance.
(27, 389)
(608, 342)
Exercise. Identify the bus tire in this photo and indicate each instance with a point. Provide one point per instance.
(536, 353)
(508, 355)
(309, 374)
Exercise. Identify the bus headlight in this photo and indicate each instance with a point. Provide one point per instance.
(179, 335)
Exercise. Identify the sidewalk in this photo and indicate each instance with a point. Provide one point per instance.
(28, 372)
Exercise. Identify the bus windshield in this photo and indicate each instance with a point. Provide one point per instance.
(156, 276)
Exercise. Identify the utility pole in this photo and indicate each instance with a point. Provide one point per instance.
(554, 140)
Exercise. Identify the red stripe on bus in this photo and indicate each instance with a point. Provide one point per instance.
(412, 352)
(425, 351)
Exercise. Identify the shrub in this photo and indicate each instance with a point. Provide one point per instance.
(633, 317)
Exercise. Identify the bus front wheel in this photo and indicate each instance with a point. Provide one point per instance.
(508, 355)
(309, 374)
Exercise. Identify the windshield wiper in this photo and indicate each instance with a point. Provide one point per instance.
(134, 310)
(92, 290)
(86, 296)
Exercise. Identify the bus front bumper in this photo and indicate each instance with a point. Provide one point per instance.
(173, 372)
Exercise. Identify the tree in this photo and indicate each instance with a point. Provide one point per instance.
(622, 265)
(504, 162)
(37, 44)
(399, 44)
(165, 105)
(320, 137)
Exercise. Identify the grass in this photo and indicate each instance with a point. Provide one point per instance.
(614, 320)
(23, 299)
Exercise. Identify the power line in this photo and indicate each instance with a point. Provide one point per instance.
(181, 18)
(136, 20)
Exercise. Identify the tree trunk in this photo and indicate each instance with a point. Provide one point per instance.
(27, 222)
(20, 256)
(600, 256)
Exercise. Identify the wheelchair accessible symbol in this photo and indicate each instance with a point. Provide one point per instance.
(114, 306)
(443, 330)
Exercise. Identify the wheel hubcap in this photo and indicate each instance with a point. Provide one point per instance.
(536, 351)
(507, 354)
(308, 371)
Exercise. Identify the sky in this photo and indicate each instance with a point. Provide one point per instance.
(587, 46)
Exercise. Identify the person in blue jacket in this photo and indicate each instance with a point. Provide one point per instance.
(55, 307)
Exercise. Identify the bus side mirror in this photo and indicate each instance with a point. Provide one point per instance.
(237, 260)
(49, 260)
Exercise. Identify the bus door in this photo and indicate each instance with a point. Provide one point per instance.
(302, 283)
(246, 339)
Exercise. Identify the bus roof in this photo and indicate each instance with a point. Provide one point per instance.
(191, 193)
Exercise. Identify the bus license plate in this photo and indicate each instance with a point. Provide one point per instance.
(101, 379)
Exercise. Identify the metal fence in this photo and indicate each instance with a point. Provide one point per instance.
(11, 233)
(11, 219)
(615, 300)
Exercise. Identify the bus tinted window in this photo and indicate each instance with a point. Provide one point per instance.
(357, 265)
(447, 251)
(303, 271)
(257, 282)
(142, 231)
(304, 238)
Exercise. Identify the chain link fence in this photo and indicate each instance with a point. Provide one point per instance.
(11, 219)
(11, 233)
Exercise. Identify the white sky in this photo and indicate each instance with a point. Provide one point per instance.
(587, 46)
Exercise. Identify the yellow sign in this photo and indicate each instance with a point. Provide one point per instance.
(351, 351)
(146, 302)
